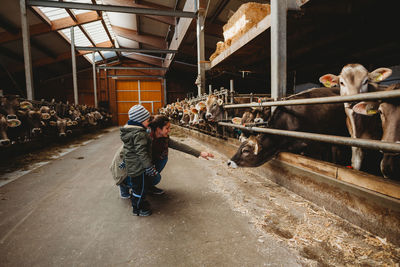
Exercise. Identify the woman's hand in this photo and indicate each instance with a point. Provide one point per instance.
(206, 155)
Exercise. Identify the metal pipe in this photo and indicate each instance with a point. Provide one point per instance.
(209, 89)
(94, 80)
(324, 100)
(74, 76)
(278, 48)
(139, 91)
(134, 76)
(127, 50)
(165, 92)
(201, 70)
(112, 8)
(130, 68)
(363, 143)
(27, 51)
(232, 90)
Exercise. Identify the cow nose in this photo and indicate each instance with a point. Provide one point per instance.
(232, 164)
(208, 115)
(36, 130)
(62, 134)
(11, 117)
(5, 142)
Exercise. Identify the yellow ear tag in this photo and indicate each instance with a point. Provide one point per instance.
(327, 83)
(372, 111)
(379, 77)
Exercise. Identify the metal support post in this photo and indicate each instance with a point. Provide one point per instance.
(74, 77)
(165, 92)
(210, 89)
(27, 51)
(201, 71)
(278, 48)
(138, 84)
(232, 90)
(94, 80)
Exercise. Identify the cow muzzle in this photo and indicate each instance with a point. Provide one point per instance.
(36, 130)
(62, 134)
(232, 164)
(12, 117)
(5, 142)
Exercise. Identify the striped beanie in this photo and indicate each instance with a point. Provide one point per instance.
(138, 113)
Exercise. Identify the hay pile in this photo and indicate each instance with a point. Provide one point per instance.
(245, 18)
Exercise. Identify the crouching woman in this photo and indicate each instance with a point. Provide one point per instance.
(160, 129)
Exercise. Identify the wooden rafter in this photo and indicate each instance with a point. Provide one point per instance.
(143, 4)
(55, 25)
(155, 41)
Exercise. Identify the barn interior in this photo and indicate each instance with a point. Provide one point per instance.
(113, 54)
(322, 37)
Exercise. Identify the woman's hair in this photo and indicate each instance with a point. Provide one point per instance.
(159, 121)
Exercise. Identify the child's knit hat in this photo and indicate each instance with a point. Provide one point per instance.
(138, 113)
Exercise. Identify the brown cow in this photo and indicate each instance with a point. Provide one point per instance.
(322, 119)
(4, 141)
(389, 111)
(355, 79)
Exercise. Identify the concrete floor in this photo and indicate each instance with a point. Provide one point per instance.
(68, 213)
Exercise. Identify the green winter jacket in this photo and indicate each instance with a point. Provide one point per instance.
(137, 149)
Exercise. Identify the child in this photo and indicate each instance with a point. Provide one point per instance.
(137, 154)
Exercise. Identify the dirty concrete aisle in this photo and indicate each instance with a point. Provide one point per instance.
(68, 213)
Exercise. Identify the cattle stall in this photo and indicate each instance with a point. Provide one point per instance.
(371, 202)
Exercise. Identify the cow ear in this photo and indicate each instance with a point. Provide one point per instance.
(379, 75)
(329, 80)
(45, 116)
(237, 120)
(242, 138)
(69, 123)
(21, 113)
(220, 102)
(366, 108)
(53, 123)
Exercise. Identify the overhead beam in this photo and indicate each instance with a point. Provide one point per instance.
(148, 5)
(145, 59)
(137, 50)
(56, 25)
(111, 8)
(133, 35)
(8, 26)
(180, 33)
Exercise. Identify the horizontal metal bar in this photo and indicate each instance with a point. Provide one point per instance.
(134, 76)
(130, 68)
(138, 102)
(111, 8)
(339, 140)
(323, 100)
(138, 90)
(91, 48)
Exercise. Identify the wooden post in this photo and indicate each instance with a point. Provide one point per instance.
(27, 51)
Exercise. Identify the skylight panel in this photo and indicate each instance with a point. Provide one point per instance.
(80, 38)
(96, 32)
(54, 13)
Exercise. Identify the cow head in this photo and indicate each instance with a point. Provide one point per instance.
(185, 117)
(4, 140)
(355, 79)
(254, 151)
(389, 111)
(33, 118)
(9, 106)
(61, 125)
(214, 107)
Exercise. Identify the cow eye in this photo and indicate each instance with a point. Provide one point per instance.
(341, 83)
(245, 150)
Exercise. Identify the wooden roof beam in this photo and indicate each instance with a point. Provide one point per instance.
(155, 41)
(144, 4)
(56, 25)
